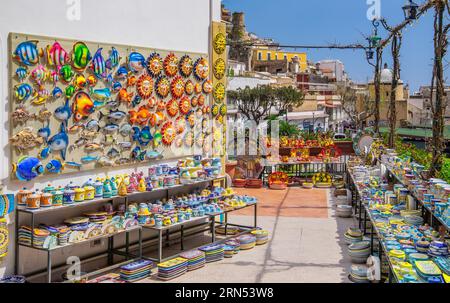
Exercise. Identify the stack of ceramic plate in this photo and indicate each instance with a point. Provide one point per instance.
(444, 264)
(359, 251)
(413, 220)
(63, 236)
(40, 236)
(358, 274)
(228, 251)
(422, 246)
(438, 249)
(233, 243)
(428, 271)
(247, 242)
(344, 211)
(231, 230)
(135, 271)
(13, 279)
(417, 257)
(353, 235)
(262, 236)
(172, 269)
(213, 252)
(97, 217)
(196, 259)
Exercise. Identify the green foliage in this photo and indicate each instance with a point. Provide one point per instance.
(444, 174)
(288, 130)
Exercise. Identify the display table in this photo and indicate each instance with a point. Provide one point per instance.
(32, 216)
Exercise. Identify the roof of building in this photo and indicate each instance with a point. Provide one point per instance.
(306, 115)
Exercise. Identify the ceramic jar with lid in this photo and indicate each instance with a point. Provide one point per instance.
(22, 196)
(46, 199)
(79, 194)
(114, 190)
(98, 185)
(34, 201)
(58, 197)
(89, 192)
(107, 192)
(68, 196)
(49, 189)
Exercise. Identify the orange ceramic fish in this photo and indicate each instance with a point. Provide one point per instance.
(142, 116)
(125, 96)
(131, 81)
(82, 106)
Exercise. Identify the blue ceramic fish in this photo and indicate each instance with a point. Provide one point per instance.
(21, 73)
(152, 154)
(89, 159)
(141, 156)
(143, 136)
(124, 145)
(44, 132)
(114, 58)
(136, 62)
(115, 115)
(27, 168)
(116, 86)
(54, 166)
(57, 92)
(98, 65)
(125, 129)
(101, 94)
(92, 125)
(23, 91)
(111, 128)
(136, 101)
(73, 164)
(44, 153)
(113, 152)
(135, 152)
(63, 112)
(28, 53)
(112, 104)
(122, 73)
(59, 142)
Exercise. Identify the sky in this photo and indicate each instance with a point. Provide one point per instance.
(314, 22)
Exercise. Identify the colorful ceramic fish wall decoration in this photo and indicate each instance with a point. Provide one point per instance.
(28, 53)
(81, 56)
(59, 142)
(27, 168)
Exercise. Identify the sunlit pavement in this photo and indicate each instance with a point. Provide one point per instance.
(306, 242)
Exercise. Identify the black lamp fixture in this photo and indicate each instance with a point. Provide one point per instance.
(374, 40)
(410, 10)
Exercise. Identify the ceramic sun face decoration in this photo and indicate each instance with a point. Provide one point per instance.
(180, 124)
(145, 86)
(219, 92)
(189, 139)
(168, 133)
(189, 87)
(194, 101)
(185, 105)
(219, 43)
(171, 65)
(201, 100)
(219, 68)
(177, 87)
(162, 87)
(155, 65)
(207, 87)
(191, 118)
(201, 69)
(198, 88)
(186, 66)
(172, 108)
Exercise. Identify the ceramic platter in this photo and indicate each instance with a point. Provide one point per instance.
(78, 105)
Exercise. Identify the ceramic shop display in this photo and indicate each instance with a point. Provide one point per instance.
(80, 106)
(136, 271)
(246, 242)
(13, 279)
(172, 269)
(196, 259)
(358, 274)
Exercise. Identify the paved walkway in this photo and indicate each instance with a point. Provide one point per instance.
(306, 242)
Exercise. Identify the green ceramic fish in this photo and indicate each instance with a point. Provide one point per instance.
(81, 56)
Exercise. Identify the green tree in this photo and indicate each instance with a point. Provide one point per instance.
(288, 98)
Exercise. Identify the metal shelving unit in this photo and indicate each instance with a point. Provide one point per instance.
(111, 250)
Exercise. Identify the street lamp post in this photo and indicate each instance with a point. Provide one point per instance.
(410, 10)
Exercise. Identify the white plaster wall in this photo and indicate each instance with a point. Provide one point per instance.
(166, 24)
